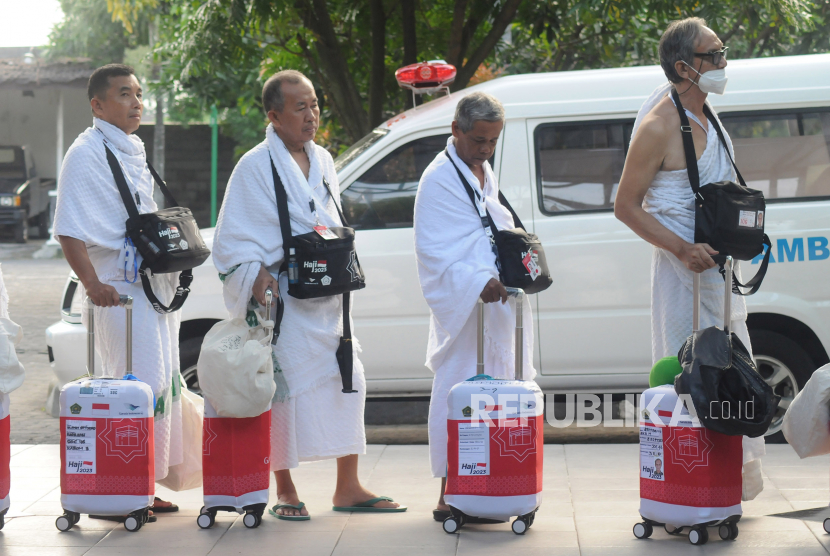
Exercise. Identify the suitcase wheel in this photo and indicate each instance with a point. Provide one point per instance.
(67, 520)
(2, 521)
(643, 530)
(452, 525)
(827, 525)
(698, 536)
(520, 525)
(206, 520)
(251, 520)
(133, 522)
(728, 531)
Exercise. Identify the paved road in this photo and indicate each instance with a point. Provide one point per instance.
(35, 288)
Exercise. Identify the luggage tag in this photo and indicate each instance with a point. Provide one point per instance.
(324, 232)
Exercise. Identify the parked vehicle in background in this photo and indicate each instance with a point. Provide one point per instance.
(559, 162)
(24, 197)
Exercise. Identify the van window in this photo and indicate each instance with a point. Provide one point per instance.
(384, 196)
(786, 156)
(578, 166)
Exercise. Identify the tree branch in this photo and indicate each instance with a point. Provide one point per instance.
(505, 17)
(454, 53)
(377, 91)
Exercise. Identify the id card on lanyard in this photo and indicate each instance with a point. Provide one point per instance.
(485, 222)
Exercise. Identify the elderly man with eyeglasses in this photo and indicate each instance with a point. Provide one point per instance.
(655, 199)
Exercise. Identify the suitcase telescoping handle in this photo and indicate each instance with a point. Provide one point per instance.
(269, 299)
(727, 298)
(519, 294)
(125, 301)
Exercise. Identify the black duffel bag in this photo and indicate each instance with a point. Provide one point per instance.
(728, 394)
(519, 254)
(729, 216)
(319, 267)
(168, 240)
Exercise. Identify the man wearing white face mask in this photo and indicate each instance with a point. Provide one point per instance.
(655, 199)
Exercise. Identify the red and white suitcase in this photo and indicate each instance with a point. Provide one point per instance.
(236, 463)
(107, 450)
(5, 457)
(690, 476)
(495, 443)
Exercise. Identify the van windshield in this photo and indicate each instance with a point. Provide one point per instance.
(359, 148)
(11, 163)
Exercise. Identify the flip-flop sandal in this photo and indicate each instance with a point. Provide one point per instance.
(300, 506)
(441, 515)
(163, 509)
(369, 506)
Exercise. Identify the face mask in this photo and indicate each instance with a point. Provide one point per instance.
(713, 81)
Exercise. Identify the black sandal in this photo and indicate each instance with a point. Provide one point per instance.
(163, 509)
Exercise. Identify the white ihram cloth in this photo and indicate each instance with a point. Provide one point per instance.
(671, 201)
(90, 208)
(455, 262)
(316, 421)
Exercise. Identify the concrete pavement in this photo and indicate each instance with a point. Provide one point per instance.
(590, 505)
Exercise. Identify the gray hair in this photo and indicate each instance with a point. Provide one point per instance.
(272, 98)
(475, 107)
(678, 44)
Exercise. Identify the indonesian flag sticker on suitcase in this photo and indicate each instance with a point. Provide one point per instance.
(495, 443)
(5, 457)
(690, 476)
(236, 464)
(107, 449)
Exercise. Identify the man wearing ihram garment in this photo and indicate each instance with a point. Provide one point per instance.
(655, 199)
(311, 417)
(457, 266)
(90, 224)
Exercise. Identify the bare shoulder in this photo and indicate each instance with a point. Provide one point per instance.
(659, 124)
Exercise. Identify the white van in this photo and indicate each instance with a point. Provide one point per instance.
(558, 162)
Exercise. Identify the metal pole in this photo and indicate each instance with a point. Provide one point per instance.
(90, 339)
(727, 296)
(127, 302)
(214, 155)
(695, 301)
(59, 133)
(480, 341)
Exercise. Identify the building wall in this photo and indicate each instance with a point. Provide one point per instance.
(32, 121)
(187, 165)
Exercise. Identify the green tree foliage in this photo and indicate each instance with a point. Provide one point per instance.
(89, 31)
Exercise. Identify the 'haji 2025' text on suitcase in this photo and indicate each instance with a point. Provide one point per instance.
(495, 442)
(107, 450)
(236, 465)
(690, 476)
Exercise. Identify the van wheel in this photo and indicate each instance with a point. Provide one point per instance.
(21, 231)
(188, 357)
(785, 366)
(43, 224)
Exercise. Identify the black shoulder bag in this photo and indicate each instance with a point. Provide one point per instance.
(519, 254)
(319, 267)
(168, 239)
(728, 216)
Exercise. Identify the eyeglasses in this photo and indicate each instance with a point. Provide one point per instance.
(716, 55)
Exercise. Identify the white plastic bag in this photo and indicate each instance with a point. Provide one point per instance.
(12, 372)
(236, 369)
(807, 421)
(188, 474)
(752, 480)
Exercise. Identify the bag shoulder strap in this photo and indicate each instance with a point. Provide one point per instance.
(163, 186)
(336, 205)
(755, 283)
(282, 211)
(688, 144)
(182, 291)
(121, 183)
(714, 122)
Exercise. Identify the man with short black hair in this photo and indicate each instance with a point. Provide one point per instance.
(90, 223)
(311, 416)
